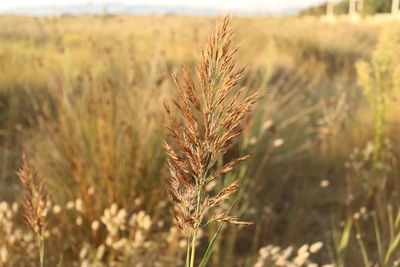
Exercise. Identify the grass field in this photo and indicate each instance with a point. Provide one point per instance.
(82, 98)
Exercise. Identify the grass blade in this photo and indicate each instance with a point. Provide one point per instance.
(210, 248)
(344, 242)
(392, 247)
(379, 242)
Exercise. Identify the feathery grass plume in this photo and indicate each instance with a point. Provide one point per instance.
(211, 114)
(35, 203)
(381, 84)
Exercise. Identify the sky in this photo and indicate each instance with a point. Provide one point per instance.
(267, 5)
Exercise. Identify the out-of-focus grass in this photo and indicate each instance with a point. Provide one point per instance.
(83, 96)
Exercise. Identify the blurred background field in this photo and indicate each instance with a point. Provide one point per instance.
(82, 96)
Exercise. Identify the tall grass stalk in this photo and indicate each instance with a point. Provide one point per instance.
(35, 203)
(380, 81)
(211, 114)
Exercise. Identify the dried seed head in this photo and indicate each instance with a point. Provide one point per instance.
(35, 199)
(211, 113)
(231, 219)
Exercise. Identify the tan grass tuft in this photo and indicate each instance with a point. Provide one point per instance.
(35, 198)
(35, 203)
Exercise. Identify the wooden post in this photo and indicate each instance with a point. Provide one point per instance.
(395, 6)
(329, 8)
(352, 7)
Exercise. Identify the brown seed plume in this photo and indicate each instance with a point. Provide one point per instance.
(35, 198)
(210, 115)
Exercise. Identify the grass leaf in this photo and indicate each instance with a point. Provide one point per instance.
(392, 247)
(344, 241)
(210, 248)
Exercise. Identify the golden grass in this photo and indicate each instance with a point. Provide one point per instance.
(35, 204)
(83, 97)
(211, 115)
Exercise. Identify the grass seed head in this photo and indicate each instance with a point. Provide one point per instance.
(211, 112)
(35, 198)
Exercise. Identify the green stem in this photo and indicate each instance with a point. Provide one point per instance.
(363, 252)
(192, 256)
(194, 236)
(187, 264)
(41, 249)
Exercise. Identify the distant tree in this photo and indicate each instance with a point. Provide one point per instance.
(342, 7)
(377, 6)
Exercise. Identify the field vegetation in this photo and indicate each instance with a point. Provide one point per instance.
(83, 99)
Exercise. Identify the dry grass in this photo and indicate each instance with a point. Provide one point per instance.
(87, 108)
(35, 204)
(211, 114)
